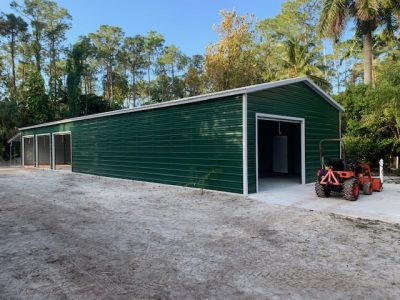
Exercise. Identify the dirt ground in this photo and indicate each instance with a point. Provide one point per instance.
(71, 236)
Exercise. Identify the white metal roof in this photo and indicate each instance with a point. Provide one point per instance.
(232, 92)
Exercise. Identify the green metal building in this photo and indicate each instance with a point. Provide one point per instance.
(238, 140)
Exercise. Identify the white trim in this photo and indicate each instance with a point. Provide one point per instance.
(23, 148)
(303, 152)
(53, 147)
(302, 122)
(232, 92)
(36, 149)
(14, 137)
(340, 135)
(244, 134)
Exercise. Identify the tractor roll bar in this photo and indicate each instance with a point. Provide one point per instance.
(321, 157)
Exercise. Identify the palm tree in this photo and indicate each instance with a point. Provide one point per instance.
(303, 59)
(368, 15)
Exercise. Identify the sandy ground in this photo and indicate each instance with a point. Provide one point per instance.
(71, 236)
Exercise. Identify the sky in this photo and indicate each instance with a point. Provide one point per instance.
(185, 23)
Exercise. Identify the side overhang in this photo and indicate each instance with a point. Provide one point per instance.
(17, 136)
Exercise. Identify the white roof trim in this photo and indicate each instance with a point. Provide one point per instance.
(14, 137)
(232, 92)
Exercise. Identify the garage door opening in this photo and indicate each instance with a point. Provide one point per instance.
(28, 149)
(43, 151)
(279, 153)
(62, 151)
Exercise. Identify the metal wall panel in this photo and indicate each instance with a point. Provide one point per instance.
(196, 145)
(300, 101)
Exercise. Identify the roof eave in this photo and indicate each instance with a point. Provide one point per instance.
(227, 93)
(307, 81)
(14, 137)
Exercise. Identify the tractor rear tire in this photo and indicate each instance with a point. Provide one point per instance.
(351, 189)
(367, 188)
(322, 191)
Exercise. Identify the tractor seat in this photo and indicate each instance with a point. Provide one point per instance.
(337, 164)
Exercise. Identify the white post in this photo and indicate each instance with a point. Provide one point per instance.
(397, 162)
(11, 153)
(244, 136)
(381, 169)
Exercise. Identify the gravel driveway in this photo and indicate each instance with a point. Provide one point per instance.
(72, 236)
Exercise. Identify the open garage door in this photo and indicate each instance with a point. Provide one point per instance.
(280, 152)
(43, 149)
(62, 151)
(28, 151)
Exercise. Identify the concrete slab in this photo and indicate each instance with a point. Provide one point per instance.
(384, 206)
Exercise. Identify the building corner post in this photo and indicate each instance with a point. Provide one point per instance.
(244, 136)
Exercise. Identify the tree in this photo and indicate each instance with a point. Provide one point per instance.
(12, 27)
(25, 61)
(193, 78)
(300, 59)
(89, 64)
(368, 16)
(35, 105)
(289, 46)
(160, 90)
(231, 62)
(371, 121)
(386, 104)
(133, 56)
(34, 10)
(107, 41)
(57, 23)
(297, 19)
(154, 42)
(93, 104)
(9, 122)
(176, 61)
(74, 74)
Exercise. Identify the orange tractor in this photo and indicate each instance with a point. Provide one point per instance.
(340, 177)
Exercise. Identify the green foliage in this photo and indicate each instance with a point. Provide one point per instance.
(9, 120)
(12, 27)
(107, 41)
(93, 104)
(175, 61)
(367, 15)
(133, 55)
(230, 62)
(290, 45)
(372, 119)
(35, 105)
(201, 183)
(193, 79)
(74, 74)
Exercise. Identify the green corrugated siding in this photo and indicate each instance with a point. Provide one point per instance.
(296, 100)
(198, 144)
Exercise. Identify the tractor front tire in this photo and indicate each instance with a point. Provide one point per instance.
(321, 190)
(351, 189)
(367, 188)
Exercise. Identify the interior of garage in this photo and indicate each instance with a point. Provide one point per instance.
(29, 151)
(279, 154)
(62, 151)
(43, 151)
